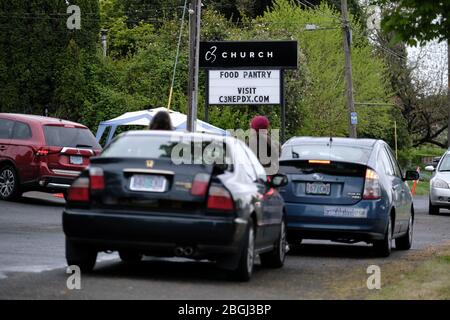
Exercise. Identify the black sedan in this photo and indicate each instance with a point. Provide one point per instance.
(171, 194)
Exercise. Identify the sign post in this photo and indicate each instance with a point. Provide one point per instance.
(247, 73)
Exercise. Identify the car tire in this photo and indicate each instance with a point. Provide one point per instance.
(9, 184)
(246, 262)
(432, 210)
(275, 258)
(130, 256)
(405, 242)
(383, 247)
(80, 255)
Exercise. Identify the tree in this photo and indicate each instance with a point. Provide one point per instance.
(319, 98)
(33, 42)
(416, 21)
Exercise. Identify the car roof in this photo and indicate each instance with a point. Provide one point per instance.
(39, 119)
(362, 143)
(203, 136)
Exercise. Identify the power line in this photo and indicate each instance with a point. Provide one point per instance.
(317, 9)
(177, 55)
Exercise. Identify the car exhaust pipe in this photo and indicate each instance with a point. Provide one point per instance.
(179, 251)
(188, 251)
(184, 251)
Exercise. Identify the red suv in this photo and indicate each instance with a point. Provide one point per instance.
(41, 153)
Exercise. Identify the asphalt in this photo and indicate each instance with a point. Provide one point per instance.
(32, 264)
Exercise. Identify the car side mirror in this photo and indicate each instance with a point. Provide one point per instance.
(279, 180)
(429, 168)
(412, 175)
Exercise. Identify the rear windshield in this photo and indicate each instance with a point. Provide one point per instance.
(179, 149)
(56, 136)
(352, 154)
(333, 168)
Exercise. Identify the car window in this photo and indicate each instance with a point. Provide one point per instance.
(385, 162)
(59, 136)
(242, 161)
(397, 170)
(260, 171)
(22, 131)
(445, 164)
(179, 149)
(6, 127)
(333, 152)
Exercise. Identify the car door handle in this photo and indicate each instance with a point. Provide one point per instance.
(2, 148)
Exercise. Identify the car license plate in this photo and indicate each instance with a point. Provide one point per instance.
(148, 183)
(345, 212)
(76, 160)
(318, 188)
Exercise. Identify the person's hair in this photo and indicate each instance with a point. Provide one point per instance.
(161, 121)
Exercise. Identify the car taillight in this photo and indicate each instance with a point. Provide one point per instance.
(220, 198)
(372, 189)
(79, 191)
(97, 179)
(200, 184)
(42, 152)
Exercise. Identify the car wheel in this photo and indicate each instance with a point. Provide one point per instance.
(244, 270)
(130, 256)
(9, 184)
(432, 210)
(275, 258)
(383, 247)
(405, 241)
(80, 255)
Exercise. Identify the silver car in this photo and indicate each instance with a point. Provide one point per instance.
(440, 185)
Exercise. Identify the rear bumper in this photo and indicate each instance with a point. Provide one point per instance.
(56, 179)
(154, 233)
(440, 197)
(307, 221)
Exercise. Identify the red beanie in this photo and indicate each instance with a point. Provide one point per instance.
(260, 123)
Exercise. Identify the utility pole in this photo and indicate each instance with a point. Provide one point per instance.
(448, 90)
(348, 68)
(195, 9)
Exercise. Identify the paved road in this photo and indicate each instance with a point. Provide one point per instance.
(32, 263)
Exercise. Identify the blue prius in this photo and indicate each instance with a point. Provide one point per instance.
(347, 190)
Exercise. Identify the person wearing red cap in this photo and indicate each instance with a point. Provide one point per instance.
(260, 125)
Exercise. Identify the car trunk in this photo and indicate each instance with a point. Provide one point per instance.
(323, 182)
(136, 185)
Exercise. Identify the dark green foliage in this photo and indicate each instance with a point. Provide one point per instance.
(415, 21)
(34, 52)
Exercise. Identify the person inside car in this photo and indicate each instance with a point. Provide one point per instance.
(161, 121)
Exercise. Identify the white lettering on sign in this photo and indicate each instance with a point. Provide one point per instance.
(242, 55)
(244, 87)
